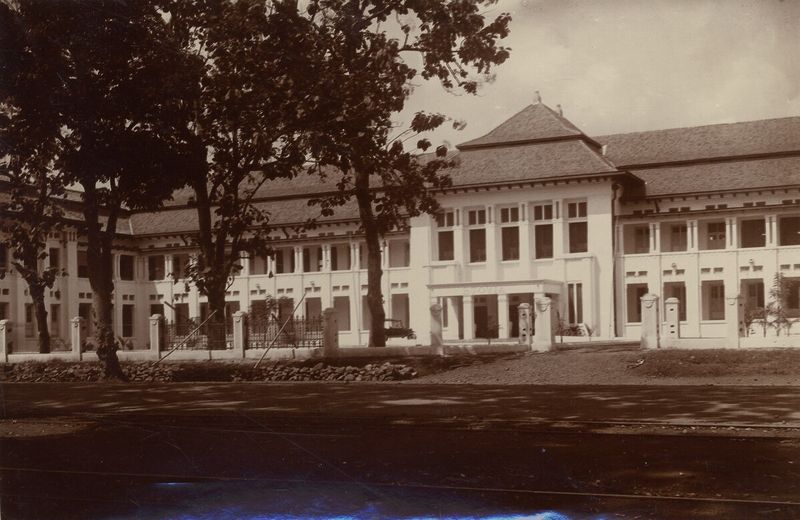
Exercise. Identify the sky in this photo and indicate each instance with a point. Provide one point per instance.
(625, 66)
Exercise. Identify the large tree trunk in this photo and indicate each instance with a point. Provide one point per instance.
(216, 325)
(377, 332)
(104, 335)
(40, 310)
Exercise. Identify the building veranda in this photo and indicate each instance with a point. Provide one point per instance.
(537, 209)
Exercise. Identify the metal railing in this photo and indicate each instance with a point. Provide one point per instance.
(295, 333)
(188, 336)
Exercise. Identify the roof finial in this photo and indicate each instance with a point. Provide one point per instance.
(558, 109)
(537, 98)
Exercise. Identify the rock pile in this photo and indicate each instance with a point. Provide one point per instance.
(202, 372)
(322, 372)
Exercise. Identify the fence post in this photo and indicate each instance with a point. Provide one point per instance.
(5, 338)
(436, 326)
(156, 335)
(649, 303)
(672, 319)
(239, 333)
(525, 324)
(734, 323)
(330, 334)
(76, 336)
(544, 337)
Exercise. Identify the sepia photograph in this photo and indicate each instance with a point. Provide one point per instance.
(399, 259)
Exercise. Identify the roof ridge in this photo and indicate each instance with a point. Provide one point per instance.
(676, 128)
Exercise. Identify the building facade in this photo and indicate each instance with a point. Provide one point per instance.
(536, 208)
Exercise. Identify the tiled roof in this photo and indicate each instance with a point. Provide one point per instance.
(527, 162)
(532, 123)
(721, 176)
(282, 212)
(767, 136)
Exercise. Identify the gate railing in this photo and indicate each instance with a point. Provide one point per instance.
(188, 336)
(297, 332)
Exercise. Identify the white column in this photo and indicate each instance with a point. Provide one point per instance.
(326, 257)
(76, 332)
(772, 230)
(693, 232)
(491, 237)
(436, 325)
(525, 324)
(239, 333)
(156, 335)
(543, 336)
(502, 316)
(734, 326)
(558, 230)
(655, 237)
(355, 256)
(649, 303)
(468, 316)
(298, 259)
(732, 233)
(672, 319)
(5, 338)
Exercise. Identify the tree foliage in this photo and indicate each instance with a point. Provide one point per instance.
(254, 70)
(372, 48)
(98, 82)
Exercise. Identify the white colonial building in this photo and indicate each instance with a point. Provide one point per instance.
(536, 208)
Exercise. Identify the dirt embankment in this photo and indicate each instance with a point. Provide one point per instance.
(620, 366)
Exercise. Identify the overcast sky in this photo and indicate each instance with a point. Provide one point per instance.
(625, 65)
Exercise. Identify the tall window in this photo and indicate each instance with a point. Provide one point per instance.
(445, 222)
(180, 263)
(127, 320)
(509, 232)
(575, 302)
(83, 263)
(54, 257)
(674, 237)
(284, 260)
(714, 236)
(754, 233)
(634, 293)
(477, 235)
(753, 291)
(3, 257)
(789, 231)
(341, 304)
(312, 259)
(713, 300)
(126, 267)
(637, 239)
(340, 257)
(155, 267)
(543, 230)
(578, 227)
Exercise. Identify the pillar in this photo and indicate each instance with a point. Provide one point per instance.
(436, 325)
(469, 318)
(649, 304)
(734, 324)
(5, 338)
(544, 339)
(355, 256)
(525, 324)
(77, 333)
(156, 335)
(330, 341)
(693, 232)
(297, 251)
(655, 237)
(671, 328)
(239, 333)
(502, 316)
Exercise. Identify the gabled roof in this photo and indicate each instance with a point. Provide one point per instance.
(533, 123)
(675, 145)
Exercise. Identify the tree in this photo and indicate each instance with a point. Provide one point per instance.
(30, 202)
(96, 75)
(369, 44)
(32, 216)
(258, 89)
(777, 308)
